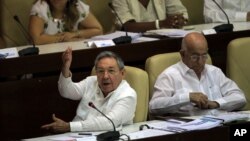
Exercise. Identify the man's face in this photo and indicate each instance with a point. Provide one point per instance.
(109, 76)
(195, 59)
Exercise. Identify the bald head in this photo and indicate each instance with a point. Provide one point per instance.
(194, 51)
(193, 41)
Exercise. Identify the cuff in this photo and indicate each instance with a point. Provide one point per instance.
(221, 102)
(184, 98)
(157, 25)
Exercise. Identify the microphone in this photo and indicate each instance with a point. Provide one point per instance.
(107, 136)
(122, 39)
(30, 50)
(223, 27)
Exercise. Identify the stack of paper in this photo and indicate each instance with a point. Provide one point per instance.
(169, 32)
(231, 116)
(180, 126)
(116, 34)
(8, 53)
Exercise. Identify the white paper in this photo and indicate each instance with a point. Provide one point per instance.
(231, 116)
(101, 43)
(146, 133)
(144, 39)
(68, 138)
(169, 32)
(116, 34)
(9, 52)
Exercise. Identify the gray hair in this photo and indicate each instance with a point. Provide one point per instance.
(110, 54)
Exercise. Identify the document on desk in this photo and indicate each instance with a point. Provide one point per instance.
(73, 137)
(116, 34)
(176, 126)
(230, 116)
(147, 133)
(198, 124)
(169, 32)
(9, 52)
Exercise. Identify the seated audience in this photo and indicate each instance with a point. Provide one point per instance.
(107, 90)
(237, 11)
(62, 20)
(191, 87)
(143, 15)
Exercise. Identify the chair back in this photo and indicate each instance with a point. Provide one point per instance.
(238, 65)
(157, 63)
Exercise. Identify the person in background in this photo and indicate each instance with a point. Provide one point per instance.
(54, 21)
(107, 90)
(237, 11)
(191, 87)
(2, 42)
(143, 15)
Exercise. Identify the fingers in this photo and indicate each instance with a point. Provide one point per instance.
(201, 100)
(47, 126)
(176, 20)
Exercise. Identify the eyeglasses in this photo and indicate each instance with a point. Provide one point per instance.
(109, 71)
(196, 57)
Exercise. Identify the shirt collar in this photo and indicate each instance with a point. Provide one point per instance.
(185, 69)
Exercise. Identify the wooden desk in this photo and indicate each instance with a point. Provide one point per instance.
(132, 54)
(25, 105)
(215, 134)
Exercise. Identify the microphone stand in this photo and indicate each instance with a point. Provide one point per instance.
(121, 39)
(30, 50)
(110, 135)
(223, 27)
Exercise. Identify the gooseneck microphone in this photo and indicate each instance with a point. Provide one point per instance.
(107, 136)
(30, 50)
(223, 27)
(122, 39)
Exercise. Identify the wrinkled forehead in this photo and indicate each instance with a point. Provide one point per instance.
(107, 62)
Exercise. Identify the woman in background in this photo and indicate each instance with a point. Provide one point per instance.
(61, 21)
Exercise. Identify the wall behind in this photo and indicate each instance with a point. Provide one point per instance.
(195, 11)
(12, 33)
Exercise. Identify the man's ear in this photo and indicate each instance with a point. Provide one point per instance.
(182, 53)
(123, 71)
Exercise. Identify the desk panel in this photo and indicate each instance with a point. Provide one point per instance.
(215, 134)
(133, 54)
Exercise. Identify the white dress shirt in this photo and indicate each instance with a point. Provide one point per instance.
(119, 105)
(157, 9)
(172, 88)
(235, 9)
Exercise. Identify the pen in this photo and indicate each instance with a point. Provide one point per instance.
(90, 134)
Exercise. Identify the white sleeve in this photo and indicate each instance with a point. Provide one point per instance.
(40, 9)
(212, 13)
(123, 10)
(83, 10)
(232, 97)
(166, 98)
(120, 113)
(69, 89)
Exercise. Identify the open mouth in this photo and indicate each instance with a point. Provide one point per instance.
(106, 83)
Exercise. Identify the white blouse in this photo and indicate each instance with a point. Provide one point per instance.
(53, 26)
